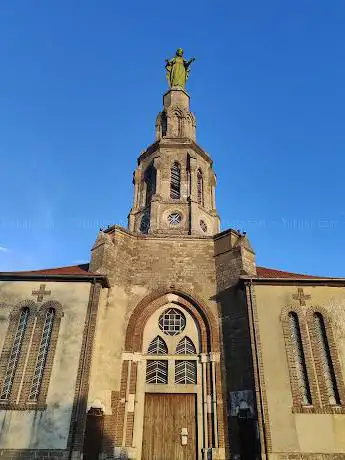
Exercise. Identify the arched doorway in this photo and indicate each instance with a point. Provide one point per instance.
(171, 381)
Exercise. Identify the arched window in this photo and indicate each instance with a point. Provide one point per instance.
(42, 354)
(175, 181)
(326, 360)
(185, 347)
(157, 347)
(299, 359)
(157, 371)
(200, 183)
(15, 354)
(150, 179)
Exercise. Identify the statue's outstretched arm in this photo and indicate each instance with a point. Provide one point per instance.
(188, 63)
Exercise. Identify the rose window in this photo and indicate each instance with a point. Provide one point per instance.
(172, 322)
(174, 218)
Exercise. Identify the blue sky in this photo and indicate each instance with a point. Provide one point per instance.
(81, 83)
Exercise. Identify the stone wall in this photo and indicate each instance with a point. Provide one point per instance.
(46, 429)
(316, 431)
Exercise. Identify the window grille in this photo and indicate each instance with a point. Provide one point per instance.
(15, 353)
(175, 181)
(326, 360)
(157, 347)
(42, 355)
(299, 359)
(157, 371)
(172, 322)
(185, 372)
(185, 347)
(200, 182)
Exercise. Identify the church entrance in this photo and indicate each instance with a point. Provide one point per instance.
(169, 427)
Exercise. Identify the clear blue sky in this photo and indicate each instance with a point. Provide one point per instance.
(81, 83)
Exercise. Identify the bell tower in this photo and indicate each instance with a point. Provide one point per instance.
(174, 183)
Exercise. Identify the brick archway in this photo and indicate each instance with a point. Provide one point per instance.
(147, 306)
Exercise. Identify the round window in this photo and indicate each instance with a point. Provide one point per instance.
(174, 218)
(172, 321)
(203, 226)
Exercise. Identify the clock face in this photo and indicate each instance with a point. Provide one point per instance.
(203, 226)
(174, 218)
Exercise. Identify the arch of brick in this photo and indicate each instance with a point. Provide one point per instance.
(146, 307)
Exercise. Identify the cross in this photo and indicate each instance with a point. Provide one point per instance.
(300, 296)
(41, 293)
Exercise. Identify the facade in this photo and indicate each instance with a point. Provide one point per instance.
(171, 343)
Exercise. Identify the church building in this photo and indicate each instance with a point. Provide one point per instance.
(171, 344)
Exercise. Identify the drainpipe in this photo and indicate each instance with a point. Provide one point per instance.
(253, 328)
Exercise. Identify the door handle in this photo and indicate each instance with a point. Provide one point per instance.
(184, 436)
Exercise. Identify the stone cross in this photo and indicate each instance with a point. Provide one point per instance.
(300, 296)
(41, 293)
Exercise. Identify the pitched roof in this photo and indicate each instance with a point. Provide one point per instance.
(82, 269)
(263, 272)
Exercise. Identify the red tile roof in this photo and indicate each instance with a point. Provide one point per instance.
(82, 269)
(263, 272)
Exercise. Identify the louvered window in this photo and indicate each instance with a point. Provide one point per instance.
(150, 179)
(185, 372)
(200, 183)
(185, 347)
(326, 361)
(15, 354)
(299, 359)
(157, 347)
(175, 181)
(42, 355)
(157, 371)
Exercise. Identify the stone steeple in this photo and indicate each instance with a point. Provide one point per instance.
(174, 183)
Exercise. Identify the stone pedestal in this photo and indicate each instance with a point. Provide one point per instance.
(176, 96)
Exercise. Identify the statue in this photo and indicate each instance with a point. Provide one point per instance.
(178, 69)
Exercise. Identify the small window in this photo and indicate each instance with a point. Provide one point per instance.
(157, 372)
(175, 181)
(185, 372)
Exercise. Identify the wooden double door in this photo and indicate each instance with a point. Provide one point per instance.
(167, 419)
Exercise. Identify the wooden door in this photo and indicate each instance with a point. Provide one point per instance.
(164, 418)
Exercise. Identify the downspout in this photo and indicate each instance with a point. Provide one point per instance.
(253, 329)
(77, 408)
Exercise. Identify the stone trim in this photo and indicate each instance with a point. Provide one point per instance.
(326, 406)
(79, 410)
(31, 364)
(297, 405)
(259, 372)
(12, 402)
